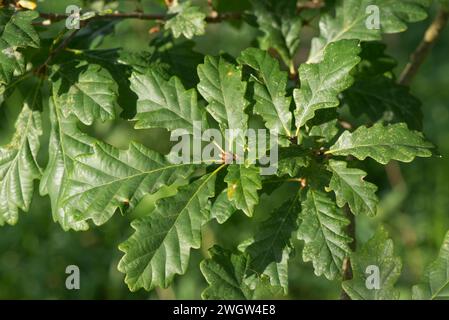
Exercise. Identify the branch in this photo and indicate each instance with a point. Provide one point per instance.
(55, 17)
(432, 34)
(313, 4)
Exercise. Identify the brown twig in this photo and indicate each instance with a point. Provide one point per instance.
(55, 17)
(313, 4)
(432, 34)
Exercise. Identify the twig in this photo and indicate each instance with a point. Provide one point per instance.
(55, 17)
(432, 34)
(43, 67)
(313, 4)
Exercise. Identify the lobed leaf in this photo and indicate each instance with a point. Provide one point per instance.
(111, 179)
(435, 283)
(165, 104)
(376, 254)
(350, 188)
(323, 231)
(160, 247)
(382, 143)
(188, 20)
(243, 184)
(322, 82)
(270, 88)
(19, 167)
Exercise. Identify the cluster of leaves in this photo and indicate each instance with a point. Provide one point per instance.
(89, 180)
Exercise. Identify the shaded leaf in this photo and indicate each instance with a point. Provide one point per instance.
(435, 284)
(378, 254)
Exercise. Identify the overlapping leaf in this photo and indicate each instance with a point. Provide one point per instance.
(351, 188)
(281, 27)
(383, 143)
(86, 91)
(435, 283)
(66, 143)
(111, 179)
(270, 87)
(223, 208)
(226, 273)
(354, 20)
(376, 93)
(222, 86)
(271, 246)
(243, 184)
(16, 31)
(322, 82)
(375, 255)
(188, 20)
(323, 231)
(19, 167)
(160, 247)
(165, 104)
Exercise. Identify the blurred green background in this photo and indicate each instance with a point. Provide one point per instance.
(35, 252)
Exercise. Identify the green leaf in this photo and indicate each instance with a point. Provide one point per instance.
(271, 246)
(66, 143)
(352, 17)
(376, 253)
(111, 179)
(16, 31)
(381, 98)
(376, 93)
(292, 160)
(270, 86)
(222, 87)
(11, 63)
(223, 208)
(351, 189)
(322, 82)
(87, 91)
(19, 166)
(188, 20)
(435, 284)
(160, 247)
(178, 58)
(382, 143)
(281, 27)
(323, 231)
(165, 104)
(243, 183)
(226, 273)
